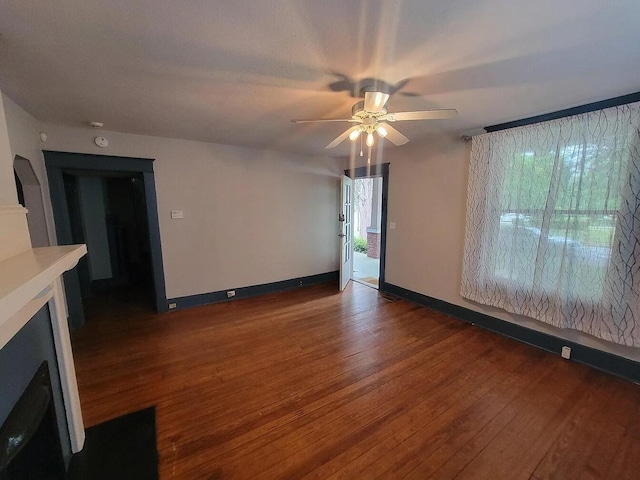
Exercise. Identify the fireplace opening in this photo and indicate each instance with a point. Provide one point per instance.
(30, 445)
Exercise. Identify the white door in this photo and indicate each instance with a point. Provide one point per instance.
(346, 232)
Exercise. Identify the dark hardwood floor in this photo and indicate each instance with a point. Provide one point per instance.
(314, 383)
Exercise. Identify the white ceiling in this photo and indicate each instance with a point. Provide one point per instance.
(237, 72)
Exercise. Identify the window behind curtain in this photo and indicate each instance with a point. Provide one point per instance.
(545, 202)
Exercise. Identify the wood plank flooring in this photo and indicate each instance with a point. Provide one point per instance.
(312, 383)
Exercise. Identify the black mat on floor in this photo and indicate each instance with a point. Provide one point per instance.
(123, 448)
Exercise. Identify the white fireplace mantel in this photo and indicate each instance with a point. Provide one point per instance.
(28, 280)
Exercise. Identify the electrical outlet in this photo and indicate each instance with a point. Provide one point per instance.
(231, 293)
(172, 306)
(566, 352)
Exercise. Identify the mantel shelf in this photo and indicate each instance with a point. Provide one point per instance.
(24, 276)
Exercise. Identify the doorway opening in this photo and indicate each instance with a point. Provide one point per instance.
(369, 225)
(108, 203)
(107, 212)
(367, 219)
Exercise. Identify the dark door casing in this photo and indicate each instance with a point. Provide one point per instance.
(62, 204)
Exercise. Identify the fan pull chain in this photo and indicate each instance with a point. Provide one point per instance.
(369, 155)
(361, 154)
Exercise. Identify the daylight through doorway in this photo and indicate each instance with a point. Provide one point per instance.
(367, 198)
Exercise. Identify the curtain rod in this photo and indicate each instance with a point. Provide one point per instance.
(589, 107)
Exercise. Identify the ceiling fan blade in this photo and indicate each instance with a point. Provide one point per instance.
(342, 137)
(423, 115)
(316, 120)
(344, 84)
(374, 101)
(394, 136)
(398, 86)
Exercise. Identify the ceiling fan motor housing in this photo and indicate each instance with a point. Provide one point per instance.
(358, 111)
(375, 86)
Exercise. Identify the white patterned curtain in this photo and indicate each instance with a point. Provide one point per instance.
(553, 223)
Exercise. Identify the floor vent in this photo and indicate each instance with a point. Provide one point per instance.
(389, 297)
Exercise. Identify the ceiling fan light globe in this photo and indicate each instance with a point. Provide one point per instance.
(369, 139)
(354, 135)
(382, 131)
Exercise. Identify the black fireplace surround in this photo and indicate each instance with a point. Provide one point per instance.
(123, 448)
(34, 436)
(29, 438)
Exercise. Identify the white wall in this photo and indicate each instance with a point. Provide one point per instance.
(24, 141)
(8, 194)
(427, 200)
(14, 231)
(250, 216)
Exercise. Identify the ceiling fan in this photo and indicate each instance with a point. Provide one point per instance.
(371, 116)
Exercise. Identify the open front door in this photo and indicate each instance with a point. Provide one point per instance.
(346, 232)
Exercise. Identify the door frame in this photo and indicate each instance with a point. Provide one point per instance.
(377, 170)
(57, 162)
(346, 230)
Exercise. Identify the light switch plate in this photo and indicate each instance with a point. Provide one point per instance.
(392, 225)
(177, 214)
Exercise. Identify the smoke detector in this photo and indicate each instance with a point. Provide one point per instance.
(96, 124)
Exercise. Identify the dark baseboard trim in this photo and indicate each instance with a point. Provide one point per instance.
(251, 291)
(607, 362)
